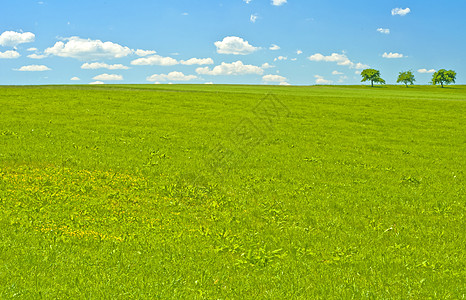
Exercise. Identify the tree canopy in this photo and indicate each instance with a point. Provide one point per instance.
(406, 77)
(372, 75)
(444, 77)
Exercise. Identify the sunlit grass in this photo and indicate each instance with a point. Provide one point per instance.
(189, 191)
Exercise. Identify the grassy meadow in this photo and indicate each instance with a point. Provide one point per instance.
(232, 192)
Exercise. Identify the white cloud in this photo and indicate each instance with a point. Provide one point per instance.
(37, 56)
(253, 18)
(425, 71)
(299, 52)
(87, 49)
(322, 80)
(342, 78)
(337, 73)
(235, 68)
(274, 78)
(234, 45)
(140, 52)
(32, 49)
(10, 54)
(155, 60)
(392, 55)
(340, 59)
(267, 66)
(173, 76)
(198, 61)
(13, 39)
(247, 1)
(107, 77)
(280, 58)
(401, 11)
(96, 82)
(278, 2)
(284, 83)
(210, 82)
(274, 47)
(97, 65)
(294, 59)
(185, 14)
(75, 78)
(34, 68)
(383, 30)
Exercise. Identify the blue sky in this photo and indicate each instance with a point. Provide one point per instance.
(236, 41)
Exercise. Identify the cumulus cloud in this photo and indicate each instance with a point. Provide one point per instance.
(392, 55)
(108, 77)
(340, 59)
(383, 30)
(278, 2)
(96, 82)
(34, 68)
(337, 73)
(322, 80)
(274, 47)
(172, 76)
(274, 78)
(87, 49)
(32, 49)
(299, 52)
(247, 1)
(234, 45)
(155, 60)
(253, 18)
(75, 78)
(140, 52)
(37, 56)
(98, 65)
(10, 54)
(280, 58)
(235, 68)
(401, 11)
(13, 39)
(425, 71)
(198, 61)
(267, 66)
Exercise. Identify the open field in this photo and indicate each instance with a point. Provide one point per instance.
(221, 192)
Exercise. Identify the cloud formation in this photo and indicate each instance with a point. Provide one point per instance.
(274, 47)
(401, 11)
(172, 76)
(392, 55)
(108, 77)
(383, 30)
(274, 78)
(235, 68)
(10, 54)
(98, 65)
(13, 39)
(87, 49)
(340, 59)
(322, 80)
(278, 2)
(34, 68)
(425, 71)
(234, 45)
(140, 52)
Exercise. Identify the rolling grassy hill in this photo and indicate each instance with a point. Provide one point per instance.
(190, 191)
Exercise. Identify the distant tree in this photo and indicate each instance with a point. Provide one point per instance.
(406, 77)
(372, 76)
(444, 77)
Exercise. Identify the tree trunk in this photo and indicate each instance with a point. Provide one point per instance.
(406, 84)
(372, 83)
(441, 82)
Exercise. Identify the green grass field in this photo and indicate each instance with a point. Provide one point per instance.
(232, 192)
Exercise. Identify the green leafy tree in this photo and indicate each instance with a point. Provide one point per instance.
(372, 76)
(406, 77)
(444, 77)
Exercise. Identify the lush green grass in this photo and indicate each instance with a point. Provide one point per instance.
(232, 192)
